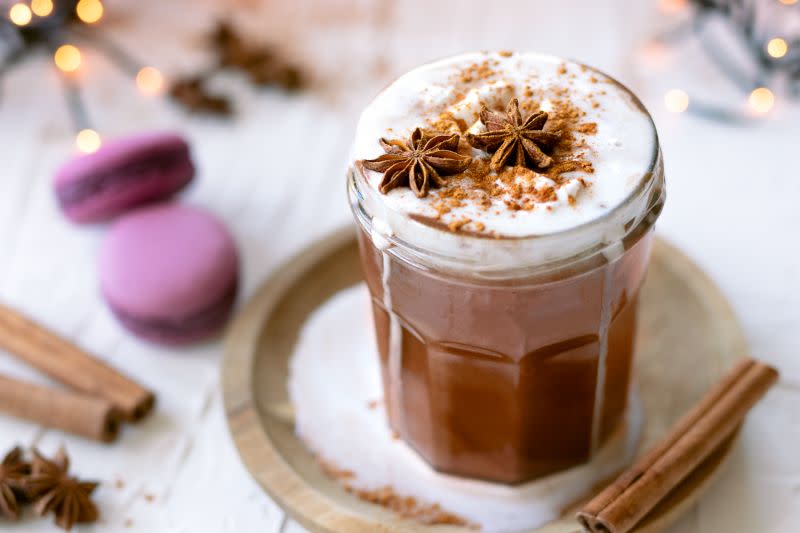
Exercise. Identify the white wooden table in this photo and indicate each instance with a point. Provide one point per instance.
(276, 175)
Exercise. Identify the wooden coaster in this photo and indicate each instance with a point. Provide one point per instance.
(688, 338)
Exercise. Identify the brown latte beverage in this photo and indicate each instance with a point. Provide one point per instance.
(506, 204)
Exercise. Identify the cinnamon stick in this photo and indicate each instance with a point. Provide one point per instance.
(621, 505)
(67, 363)
(86, 416)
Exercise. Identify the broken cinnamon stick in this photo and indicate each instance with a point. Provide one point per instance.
(67, 363)
(86, 416)
(621, 505)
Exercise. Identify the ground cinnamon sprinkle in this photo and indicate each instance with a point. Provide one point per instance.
(477, 72)
(458, 224)
(334, 472)
(515, 188)
(447, 123)
(408, 507)
(518, 188)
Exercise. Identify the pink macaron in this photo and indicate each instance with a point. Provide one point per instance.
(123, 174)
(170, 273)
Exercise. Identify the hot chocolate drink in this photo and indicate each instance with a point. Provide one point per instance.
(505, 205)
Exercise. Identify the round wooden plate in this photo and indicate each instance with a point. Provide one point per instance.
(688, 337)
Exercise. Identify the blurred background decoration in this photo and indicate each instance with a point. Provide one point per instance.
(753, 44)
(62, 28)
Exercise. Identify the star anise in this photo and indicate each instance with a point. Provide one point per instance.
(192, 94)
(418, 163)
(53, 490)
(510, 138)
(12, 473)
(261, 63)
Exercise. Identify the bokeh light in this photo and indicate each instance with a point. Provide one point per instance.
(20, 14)
(671, 7)
(89, 11)
(777, 47)
(42, 8)
(655, 54)
(761, 100)
(67, 58)
(788, 2)
(676, 100)
(88, 141)
(150, 80)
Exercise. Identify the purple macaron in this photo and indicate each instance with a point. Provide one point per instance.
(170, 273)
(123, 174)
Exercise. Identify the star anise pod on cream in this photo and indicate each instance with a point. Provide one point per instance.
(419, 162)
(514, 141)
(12, 474)
(52, 490)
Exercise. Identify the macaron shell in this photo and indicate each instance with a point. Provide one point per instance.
(165, 265)
(124, 174)
(176, 333)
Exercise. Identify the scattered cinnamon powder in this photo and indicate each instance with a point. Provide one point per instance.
(458, 224)
(514, 188)
(334, 472)
(409, 507)
(374, 404)
(447, 123)
(477, 72)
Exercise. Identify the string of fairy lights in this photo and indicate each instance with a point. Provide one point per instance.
(776, 57)
(57, 27)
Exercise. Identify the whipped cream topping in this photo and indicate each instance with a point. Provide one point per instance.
(611, 147)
